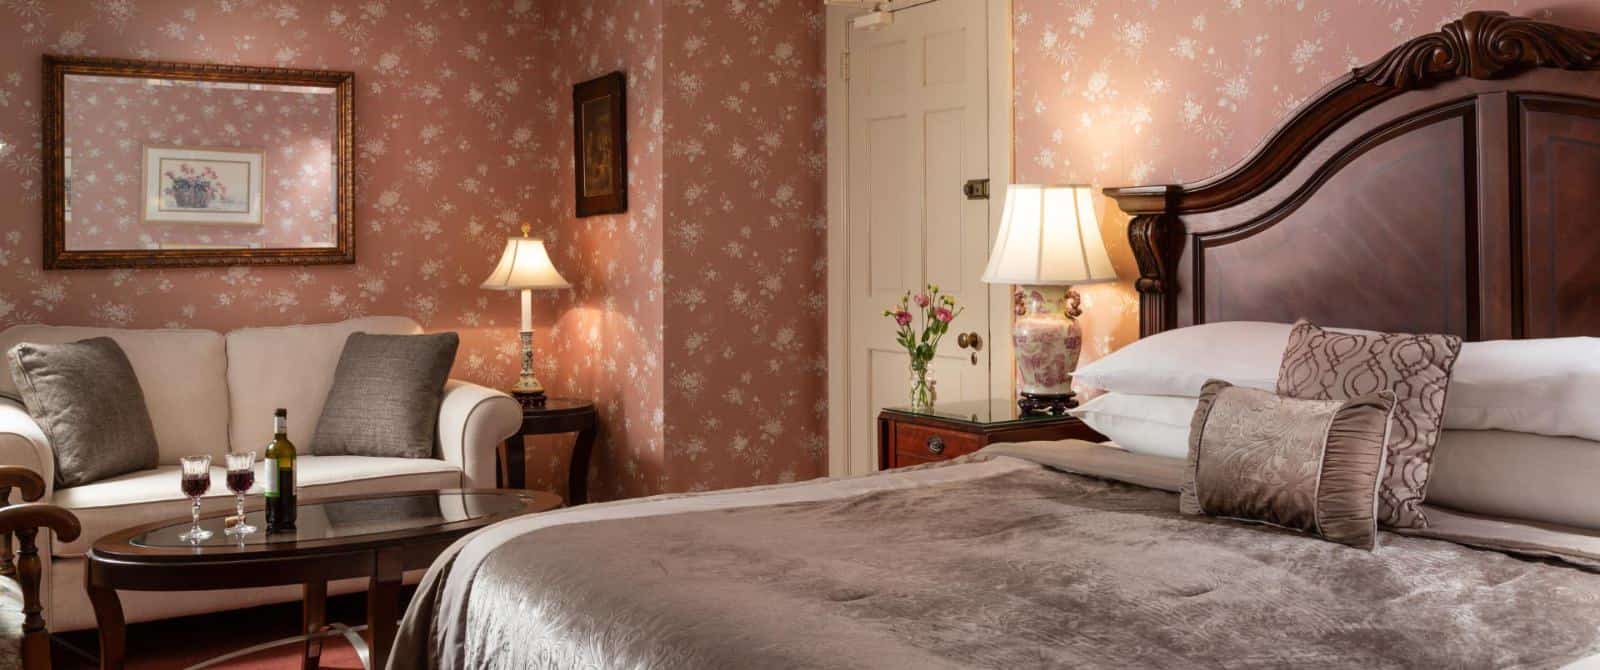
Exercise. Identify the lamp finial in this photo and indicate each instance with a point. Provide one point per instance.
(527, 230)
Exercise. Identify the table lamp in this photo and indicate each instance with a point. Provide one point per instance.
(1049, 240)
(525, 266)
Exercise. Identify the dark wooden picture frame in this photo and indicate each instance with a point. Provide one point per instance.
(600, 145)
(56, 254)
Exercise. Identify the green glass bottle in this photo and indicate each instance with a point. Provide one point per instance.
(279, 483)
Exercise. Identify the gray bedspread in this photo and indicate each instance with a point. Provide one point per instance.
(1015, 566)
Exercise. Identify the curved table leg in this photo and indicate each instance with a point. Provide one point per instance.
(578, 476)
(108, 619)
(314, 618)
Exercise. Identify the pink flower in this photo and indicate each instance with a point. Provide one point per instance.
(944, 314)
(902, 317)
(921, 299)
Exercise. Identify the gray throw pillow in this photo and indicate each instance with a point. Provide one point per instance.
(86, 398)
(385, 396)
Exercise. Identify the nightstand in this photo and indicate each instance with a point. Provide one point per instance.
(960, 428)
(556, 415)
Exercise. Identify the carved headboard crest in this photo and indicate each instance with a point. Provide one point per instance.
(1483, 45)
(1184, 236)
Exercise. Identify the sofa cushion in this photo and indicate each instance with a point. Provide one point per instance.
(86, 398)
(152, 495)
(290, 367)
(183, 375)
(385, 396)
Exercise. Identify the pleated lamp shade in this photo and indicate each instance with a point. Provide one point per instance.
(1049, 236)
(525, 264)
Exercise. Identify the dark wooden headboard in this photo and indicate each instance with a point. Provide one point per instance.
(1452, 186)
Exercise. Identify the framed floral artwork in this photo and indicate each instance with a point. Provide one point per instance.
(203, 185)
(600, 145)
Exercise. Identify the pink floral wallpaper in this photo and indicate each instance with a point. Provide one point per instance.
(110, 121)
(1123, 92)
(744, 242)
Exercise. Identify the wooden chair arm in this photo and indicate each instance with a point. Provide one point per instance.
(34, 516)
(16, 476)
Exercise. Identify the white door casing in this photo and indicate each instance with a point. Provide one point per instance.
(910, 122)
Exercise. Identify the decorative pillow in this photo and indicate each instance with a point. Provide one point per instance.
(86, 398)
(1323, 365)
(385, 396)
(1143, 424)
(1308, 465)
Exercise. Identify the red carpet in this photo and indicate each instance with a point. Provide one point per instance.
(179, 643)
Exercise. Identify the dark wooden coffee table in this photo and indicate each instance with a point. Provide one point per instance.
(374, 536)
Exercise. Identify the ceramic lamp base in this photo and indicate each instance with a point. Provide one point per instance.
(1033, 404)
(529, 400)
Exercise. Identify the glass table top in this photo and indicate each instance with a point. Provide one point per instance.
(343, 519)
(990, 412)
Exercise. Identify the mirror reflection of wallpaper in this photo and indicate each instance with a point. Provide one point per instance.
(111, 121)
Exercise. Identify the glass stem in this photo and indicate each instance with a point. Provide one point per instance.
(238, 507)
(194, 515)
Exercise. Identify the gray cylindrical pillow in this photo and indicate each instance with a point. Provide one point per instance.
(385, 396)
(86, 398)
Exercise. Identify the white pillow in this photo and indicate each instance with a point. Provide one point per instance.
(1143, 424)
(1178, 362)
(1544, 386)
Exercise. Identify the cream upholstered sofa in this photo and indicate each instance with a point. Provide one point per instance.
(209, 393)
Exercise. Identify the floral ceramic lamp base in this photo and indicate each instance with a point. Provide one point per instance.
(1048, 342)
(528, 391)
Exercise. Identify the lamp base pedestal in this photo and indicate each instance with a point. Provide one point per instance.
(1036, 404)
(529, 399)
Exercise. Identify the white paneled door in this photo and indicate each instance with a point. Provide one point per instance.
(918, 132)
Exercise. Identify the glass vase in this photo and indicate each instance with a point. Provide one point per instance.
(923, 393)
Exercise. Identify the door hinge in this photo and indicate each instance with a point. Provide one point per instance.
(844, 65)
(976, 189)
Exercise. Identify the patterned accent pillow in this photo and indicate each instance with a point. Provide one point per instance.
(1324, 365)
(1308, 465)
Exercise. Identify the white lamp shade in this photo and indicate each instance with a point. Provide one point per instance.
(1049, 236)
(525, 264)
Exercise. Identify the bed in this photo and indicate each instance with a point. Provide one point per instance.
(1445, 188)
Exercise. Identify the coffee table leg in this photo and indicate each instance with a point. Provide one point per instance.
(108, 619)
(383, 604)
(314, 618)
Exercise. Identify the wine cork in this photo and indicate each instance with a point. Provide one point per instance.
(233, 521)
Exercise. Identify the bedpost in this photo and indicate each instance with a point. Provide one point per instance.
(1156, 236)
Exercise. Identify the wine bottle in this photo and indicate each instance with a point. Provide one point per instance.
(280, 486)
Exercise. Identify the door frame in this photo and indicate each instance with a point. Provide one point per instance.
(1001, 153)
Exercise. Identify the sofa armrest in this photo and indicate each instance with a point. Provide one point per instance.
(473, 422)
(22, 443)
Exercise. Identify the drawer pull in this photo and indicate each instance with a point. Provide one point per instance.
(935, 444)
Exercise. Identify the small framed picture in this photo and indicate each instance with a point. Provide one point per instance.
(600, 145)
(203, 185)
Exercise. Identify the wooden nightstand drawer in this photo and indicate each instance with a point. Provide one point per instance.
(960, 428)
(925, 443)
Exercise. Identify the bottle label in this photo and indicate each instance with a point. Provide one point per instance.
(272, 478)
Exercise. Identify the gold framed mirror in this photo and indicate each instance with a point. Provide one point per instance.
(162, 164)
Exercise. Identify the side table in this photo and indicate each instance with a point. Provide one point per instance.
(558, 415)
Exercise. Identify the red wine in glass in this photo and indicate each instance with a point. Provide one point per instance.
(240, 481)
(194, 487)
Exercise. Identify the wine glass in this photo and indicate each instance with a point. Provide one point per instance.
(196, 481)
(241, 476)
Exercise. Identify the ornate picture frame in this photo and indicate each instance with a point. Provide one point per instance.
(58, 167)
(600, 145)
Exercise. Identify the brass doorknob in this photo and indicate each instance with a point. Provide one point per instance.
(972, 340)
